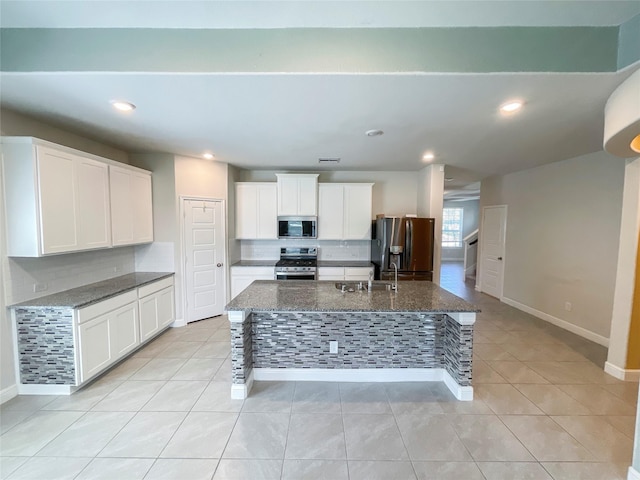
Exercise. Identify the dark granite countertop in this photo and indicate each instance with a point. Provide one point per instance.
(344, 263)
(255, 263)
(323, 296)
(95, 292)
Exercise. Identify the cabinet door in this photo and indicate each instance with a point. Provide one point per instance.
(142, 207)
(267, 205)
(357, 212)
(308, 195)
(148, 317)
(95, 346)
(58, 213)
(165, 307)
(94, 221)
(288, 197)
(330, 211)
(124, 330)
(331, 273)
(246, 211)
(122, 213)
(357, 273)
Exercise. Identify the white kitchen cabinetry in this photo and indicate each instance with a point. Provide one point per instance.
(106, 332)
(156, 307)
(350, 274)
(256, 210)
(109, 330)
(344, 211)
(57, 199)
(131, 206)
(241, 277)
(297, 194)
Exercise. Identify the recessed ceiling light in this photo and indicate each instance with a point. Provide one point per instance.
(123, 106)
(635, 144)
(428, 156)
(374, 133)
(511, 106)
(208, 155)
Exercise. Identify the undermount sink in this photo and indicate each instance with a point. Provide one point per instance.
(362, 286)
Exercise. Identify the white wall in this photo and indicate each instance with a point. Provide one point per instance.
(196, 177)
(469, 224)
(430, 195)
(562, 236)
(394, 193)
(60, 272)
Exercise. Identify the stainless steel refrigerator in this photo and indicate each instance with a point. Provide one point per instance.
(406, 242)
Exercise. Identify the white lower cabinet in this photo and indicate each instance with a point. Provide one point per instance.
(106, 337)
(109, 330)
(350, 274)
(156, 308)
(242, 277)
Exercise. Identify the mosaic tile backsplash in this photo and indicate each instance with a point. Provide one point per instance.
(45, 346)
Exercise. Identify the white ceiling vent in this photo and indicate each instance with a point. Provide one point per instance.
(328, 160)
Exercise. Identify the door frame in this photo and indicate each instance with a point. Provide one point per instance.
(182, 258)
(481, 250)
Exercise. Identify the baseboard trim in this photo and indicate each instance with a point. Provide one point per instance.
(625, 374)
(633, 474)
(179, 322)
(46, 389)
(8, 393)
(364, 375)
(241, 391)
(583, 332)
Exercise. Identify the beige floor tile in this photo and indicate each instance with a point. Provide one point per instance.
(552, 400)
(586, 471)
(626, 425)
(492, 351)
(605, 442)
(483, 373)
(487, 439)
(545, 439)
(599, 400)
(516, 372)
(506, 399)
(447, 471)
(514, 470)
(627, 391)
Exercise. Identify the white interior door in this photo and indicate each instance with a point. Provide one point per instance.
(494, 226)
(204, 259)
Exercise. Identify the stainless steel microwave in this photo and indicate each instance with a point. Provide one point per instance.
(297, 227)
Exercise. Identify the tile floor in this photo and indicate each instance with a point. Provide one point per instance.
(544, 409)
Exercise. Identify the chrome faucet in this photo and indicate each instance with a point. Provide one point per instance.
(394, 285)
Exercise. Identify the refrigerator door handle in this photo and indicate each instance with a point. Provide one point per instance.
(408, 244)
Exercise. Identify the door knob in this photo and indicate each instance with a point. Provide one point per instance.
(499, 258)
(219, 265)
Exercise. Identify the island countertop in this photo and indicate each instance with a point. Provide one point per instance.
(95, 292)
(323, 296)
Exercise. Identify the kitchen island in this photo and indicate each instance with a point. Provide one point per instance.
(313, 331)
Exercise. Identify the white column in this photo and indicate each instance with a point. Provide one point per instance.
(430, 202)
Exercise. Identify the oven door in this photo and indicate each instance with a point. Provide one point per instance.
(295, 276)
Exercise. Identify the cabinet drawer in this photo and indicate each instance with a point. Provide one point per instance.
(155, 287)
(100, 308)
(357, 271)
(254, 271)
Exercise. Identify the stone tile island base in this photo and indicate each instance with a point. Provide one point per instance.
(371, 347)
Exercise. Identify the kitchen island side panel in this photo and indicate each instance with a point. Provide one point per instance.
(459, 351)
(365, 340)
(46, 350)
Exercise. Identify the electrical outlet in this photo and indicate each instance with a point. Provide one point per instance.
(333, 346)
(568, 306)
(39, 287)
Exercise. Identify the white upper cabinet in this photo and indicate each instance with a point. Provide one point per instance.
(131, 207)
(256, 210)
(57, 199)
(297, 194)
(344, 211)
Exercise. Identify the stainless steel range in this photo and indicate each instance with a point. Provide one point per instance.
(297, 263)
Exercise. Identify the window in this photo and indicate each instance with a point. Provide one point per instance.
(452, 228)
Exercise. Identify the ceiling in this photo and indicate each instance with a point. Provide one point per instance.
(290, 118)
